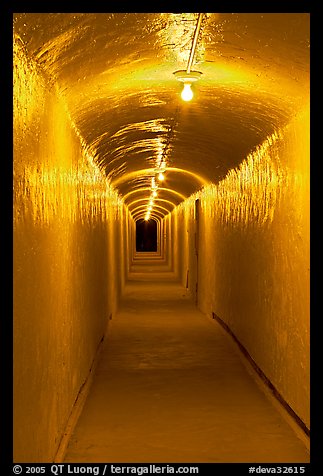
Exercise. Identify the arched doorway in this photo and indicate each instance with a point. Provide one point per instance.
(146, 235)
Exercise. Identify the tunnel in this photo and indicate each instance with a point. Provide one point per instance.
(161, 237)
(146, 235)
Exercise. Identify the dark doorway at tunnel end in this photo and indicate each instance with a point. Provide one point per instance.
(146, 235)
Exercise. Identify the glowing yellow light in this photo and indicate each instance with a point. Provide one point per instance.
(154, 194)
(187, 93)
(161, 176)
(187, 78)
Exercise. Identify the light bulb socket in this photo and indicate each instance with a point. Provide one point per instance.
(185, 77)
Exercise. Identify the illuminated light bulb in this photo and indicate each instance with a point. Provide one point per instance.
(161, 176)
(154, 193)
(187, 78)
(187, 93)
(150, 208)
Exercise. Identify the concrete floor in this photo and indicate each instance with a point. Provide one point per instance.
(170, 387)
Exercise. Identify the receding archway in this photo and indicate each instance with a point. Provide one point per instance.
(146, 235)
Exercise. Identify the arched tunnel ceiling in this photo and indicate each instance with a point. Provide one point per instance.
(116, 73)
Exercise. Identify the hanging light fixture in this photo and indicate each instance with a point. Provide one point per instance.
(160, 170)
(187, 77)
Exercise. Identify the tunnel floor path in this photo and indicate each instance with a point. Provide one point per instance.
(170, 387)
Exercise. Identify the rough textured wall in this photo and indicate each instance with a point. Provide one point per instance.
(188, 262)
(64, 215)
(176, 242)
(254, 257)
(169, 241)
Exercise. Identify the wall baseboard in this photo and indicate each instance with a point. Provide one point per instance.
(79, 402)
(265, 380)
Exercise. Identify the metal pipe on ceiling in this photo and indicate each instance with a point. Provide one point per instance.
(194, 43)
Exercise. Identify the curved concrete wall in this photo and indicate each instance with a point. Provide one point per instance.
(67, 250)
(254, 257)
(70, 238)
